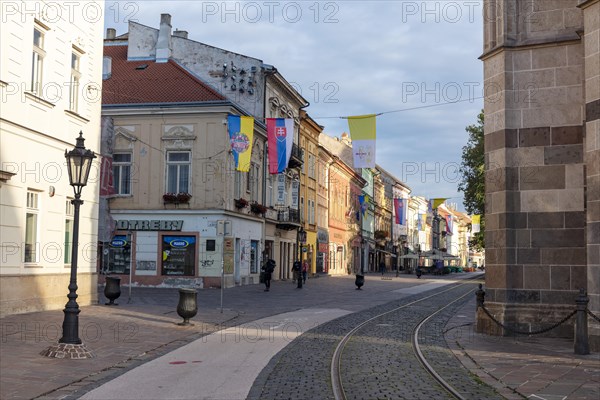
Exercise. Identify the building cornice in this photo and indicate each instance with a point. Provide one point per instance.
(543, 43)
(203, 108)
(587, 3)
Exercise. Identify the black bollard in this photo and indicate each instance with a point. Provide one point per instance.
(359, 281)
(112, 289)
(188, 305)
(297, 267)
(480, 296)
(582, 345)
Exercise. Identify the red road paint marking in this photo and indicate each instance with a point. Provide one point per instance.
(178, 362)
(196, 361)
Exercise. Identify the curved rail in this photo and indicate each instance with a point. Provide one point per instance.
(421, 357)
(336, 378)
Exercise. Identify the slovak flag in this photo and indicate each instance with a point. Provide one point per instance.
(400, 208)
(280, 136)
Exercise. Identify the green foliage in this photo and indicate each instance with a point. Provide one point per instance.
(472, 182)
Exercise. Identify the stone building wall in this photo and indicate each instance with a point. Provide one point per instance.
(536, 69)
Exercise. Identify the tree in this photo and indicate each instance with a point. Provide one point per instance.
(472, 182)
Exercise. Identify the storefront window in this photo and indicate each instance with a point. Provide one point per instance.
(119, 254)
(253, 257)
(179, 255)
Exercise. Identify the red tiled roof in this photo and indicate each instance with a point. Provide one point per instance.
(132, 83)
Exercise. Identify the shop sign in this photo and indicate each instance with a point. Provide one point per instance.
(148, 225)
(322, 236)
(116, 242)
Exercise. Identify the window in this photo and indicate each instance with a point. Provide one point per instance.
(75, 78)
(122, 173)
(211, 245)
(311, 165)
(37, 61)
(119, 261)
(302, 209)
(178, 171)
(68, 231)
(311, 212)
(254, 257)
(254, 182)
(178, 255)
(31, 228)
(238, 191)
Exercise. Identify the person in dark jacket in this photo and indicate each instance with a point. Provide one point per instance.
(268, 269)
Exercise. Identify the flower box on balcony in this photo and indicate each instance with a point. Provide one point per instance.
(381, 235)
(169, 197)
(183, 197)
(240, 203)
(258, 208)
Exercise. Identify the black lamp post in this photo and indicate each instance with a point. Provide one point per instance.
(79, 162)
(301, 238)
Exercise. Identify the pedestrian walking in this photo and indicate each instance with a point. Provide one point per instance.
(304, 270)
(382, 267)
(296, 269)
(268, 269)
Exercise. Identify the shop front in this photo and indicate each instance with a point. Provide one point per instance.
(322, 251)
(185, 249)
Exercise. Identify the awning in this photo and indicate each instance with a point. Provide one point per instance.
(433, 255)
(386, 252)
(410, 256)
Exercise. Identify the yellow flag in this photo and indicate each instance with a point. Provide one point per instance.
(435, 203)
(476, 223)
(363, 134)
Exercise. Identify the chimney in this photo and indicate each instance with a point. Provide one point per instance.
(111, 33)
(181, 34)
(106, 68)
(163, 44)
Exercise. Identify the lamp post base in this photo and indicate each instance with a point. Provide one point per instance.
(66, 350)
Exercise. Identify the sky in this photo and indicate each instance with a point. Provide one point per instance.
(416, 62)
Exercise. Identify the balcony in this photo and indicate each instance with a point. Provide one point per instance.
(297, 158)
(288, 219)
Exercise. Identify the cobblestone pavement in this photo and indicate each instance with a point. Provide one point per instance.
(135, 332)
(145, 327)
(378, 362)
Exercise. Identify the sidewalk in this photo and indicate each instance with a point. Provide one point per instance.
(523, 367)
(129, 335)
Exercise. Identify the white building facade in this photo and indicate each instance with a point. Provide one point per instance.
(50, 85)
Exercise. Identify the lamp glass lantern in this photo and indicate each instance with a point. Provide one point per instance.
(79, 163)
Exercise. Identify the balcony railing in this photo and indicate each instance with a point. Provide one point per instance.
(297, 158)
(288, 218)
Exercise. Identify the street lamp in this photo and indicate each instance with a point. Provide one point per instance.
(79, 162)
(301, 239)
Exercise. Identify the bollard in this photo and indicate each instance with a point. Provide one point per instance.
(188, 305)
(359, 281)
(480, 296)
(582, 345)
(112, 289)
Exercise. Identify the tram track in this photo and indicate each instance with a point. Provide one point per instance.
(362, 334)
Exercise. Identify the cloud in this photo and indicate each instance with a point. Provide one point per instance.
(357, 57)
